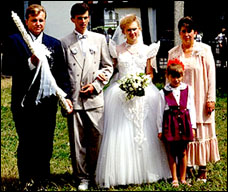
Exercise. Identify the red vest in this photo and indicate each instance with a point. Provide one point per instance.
(176, 120)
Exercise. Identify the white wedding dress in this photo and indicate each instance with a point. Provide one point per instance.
(131, 152)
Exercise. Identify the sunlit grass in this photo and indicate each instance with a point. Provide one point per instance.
(61, 169)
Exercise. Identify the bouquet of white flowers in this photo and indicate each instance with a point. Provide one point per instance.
(134, 84)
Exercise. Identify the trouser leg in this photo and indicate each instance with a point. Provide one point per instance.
(35, 131)
(85, 138)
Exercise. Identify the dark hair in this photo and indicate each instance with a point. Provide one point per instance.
(175, 70)
(34, 10)
(79, 9)
(186, 22)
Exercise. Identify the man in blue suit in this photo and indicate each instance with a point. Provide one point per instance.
(35, 123)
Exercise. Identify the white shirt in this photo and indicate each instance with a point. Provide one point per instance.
(176, 93)
(38, 40)
(83, 41)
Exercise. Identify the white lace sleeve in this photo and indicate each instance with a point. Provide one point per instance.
(112, 48)
(153, 64)
(153, 49)
(152, 52)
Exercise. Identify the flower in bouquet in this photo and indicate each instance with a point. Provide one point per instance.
(134, 84)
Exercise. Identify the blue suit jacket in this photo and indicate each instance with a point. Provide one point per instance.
(16, 59)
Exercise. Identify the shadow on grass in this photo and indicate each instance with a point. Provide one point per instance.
(67, 182)
(59, 182)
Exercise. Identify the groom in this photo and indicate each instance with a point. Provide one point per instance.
(88, 59)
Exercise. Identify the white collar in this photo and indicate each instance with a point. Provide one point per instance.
(77, 33)
(127, 45)
(37, 39)
(182, 86)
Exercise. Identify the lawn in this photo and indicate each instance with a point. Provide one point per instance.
(62, 179)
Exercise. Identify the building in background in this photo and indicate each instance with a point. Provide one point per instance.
(157, 18)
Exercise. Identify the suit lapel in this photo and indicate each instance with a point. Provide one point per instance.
(75, 50)
(45, 39)
(77, 53)
(90, 52)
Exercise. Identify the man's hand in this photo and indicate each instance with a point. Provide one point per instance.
(101, 77)
(87, 90)
(34, 60)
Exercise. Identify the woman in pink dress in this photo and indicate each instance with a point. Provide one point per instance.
(200, 74)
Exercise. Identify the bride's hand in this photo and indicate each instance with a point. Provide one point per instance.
(149, 69)
(70, 105)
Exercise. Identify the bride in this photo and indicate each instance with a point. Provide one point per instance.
(130, 151)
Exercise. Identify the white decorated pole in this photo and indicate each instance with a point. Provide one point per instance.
(23, 31)
(41, 55)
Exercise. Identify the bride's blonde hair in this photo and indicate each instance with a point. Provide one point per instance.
(128, 19)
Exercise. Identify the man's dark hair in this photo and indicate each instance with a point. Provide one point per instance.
(79, 9)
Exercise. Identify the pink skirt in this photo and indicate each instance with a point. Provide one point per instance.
(204, 148)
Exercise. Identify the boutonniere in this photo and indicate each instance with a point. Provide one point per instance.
(50, 57)
(198, 51)
(74, 50)
(51, 50)
(92, 50)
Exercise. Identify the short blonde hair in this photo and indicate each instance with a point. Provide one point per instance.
(34, 10)
(127, 20)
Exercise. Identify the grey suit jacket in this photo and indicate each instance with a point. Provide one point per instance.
(84, 70)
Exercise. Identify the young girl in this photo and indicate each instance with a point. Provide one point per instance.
(177, 121)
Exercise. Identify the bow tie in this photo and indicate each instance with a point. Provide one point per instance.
(82, 36)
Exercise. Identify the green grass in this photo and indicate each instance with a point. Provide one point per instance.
(62, 179)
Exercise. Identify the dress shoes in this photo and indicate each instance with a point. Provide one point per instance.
(84, 185)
